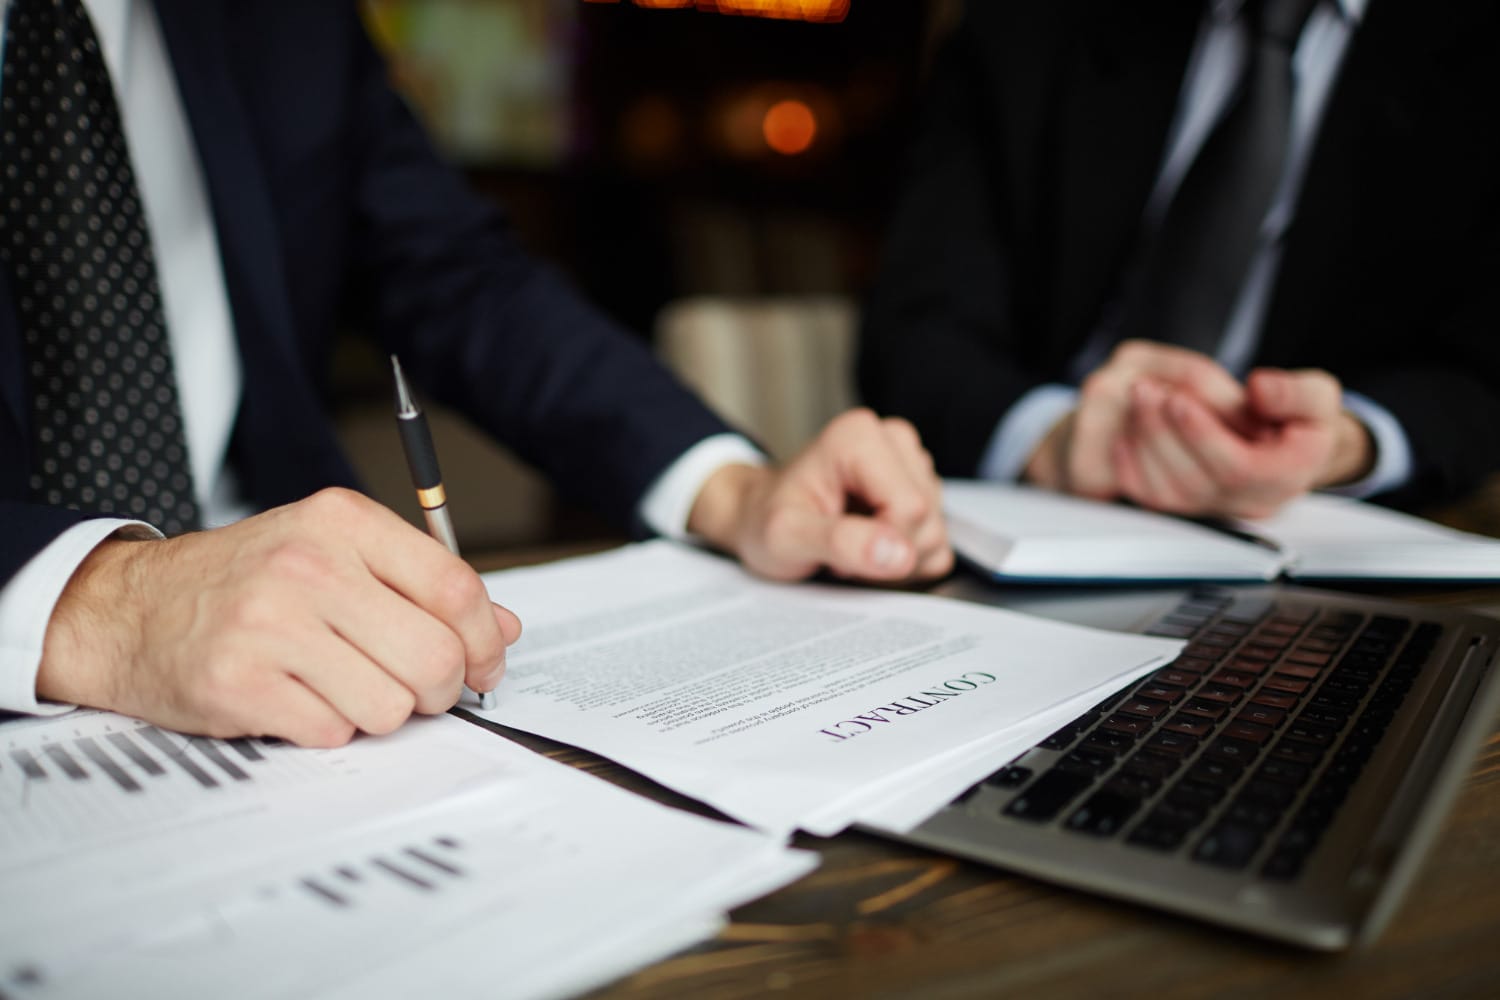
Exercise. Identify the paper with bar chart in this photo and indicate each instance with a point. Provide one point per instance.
(139, 862)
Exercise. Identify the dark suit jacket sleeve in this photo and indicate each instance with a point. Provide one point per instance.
(29, 528)
(929, 349)
(1446, 399)
(440, 278)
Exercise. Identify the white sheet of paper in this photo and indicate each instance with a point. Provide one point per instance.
(525, 875)
(1332, 537)
(788, 706)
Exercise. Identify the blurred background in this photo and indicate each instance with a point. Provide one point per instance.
(714, 173)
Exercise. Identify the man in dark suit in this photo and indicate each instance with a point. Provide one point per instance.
(287, 191)
(1014, 321)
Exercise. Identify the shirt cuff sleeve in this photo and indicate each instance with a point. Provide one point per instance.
(1023, 428)
(26, 604)
(666, 506)
(1392, 450)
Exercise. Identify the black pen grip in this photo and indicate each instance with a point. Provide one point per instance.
(421, 456)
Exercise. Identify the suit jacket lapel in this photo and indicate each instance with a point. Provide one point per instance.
(199, 45)
(282, 439)
(1377, 145)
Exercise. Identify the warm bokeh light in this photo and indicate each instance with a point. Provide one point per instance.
(789, 127)
(818, 11)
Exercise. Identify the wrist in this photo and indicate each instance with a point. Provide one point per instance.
(718, 511)
(93, 633)
(1044, 467)
(1353, 456)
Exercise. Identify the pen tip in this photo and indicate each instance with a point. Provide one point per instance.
(404, 403)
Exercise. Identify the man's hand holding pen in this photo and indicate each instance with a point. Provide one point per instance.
(310, 622)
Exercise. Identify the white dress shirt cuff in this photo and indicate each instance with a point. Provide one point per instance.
(669, 501)
(1392, 450)
(1023, 428)
(26, 604)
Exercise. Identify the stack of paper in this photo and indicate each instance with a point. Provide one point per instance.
(792, 706)
(135, 862)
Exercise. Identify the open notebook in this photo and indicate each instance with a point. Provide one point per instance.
(1023, 533)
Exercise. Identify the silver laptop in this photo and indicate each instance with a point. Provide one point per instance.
(1284, 776)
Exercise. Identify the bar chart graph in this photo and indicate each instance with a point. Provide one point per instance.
(98, 775)
(427, 867)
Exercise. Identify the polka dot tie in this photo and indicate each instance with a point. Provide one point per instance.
(107, 429)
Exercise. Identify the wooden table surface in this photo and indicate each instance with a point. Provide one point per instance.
(883, 919)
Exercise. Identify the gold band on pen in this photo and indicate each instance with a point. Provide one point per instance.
(432, 497)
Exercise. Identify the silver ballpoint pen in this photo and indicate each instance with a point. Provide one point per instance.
(421, 459)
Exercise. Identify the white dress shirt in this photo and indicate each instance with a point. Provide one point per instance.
(1215, 66)
(201, 329)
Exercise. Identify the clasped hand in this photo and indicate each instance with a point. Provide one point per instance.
(1171, 430)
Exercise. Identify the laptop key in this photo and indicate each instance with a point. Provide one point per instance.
(1216, 772)
(1045, 797)
(1108, 741)
(1150, 764)
(1013, 776)
(1228, 845)
(1087, 762)
(1190, 793)
(1160, 832)
(1253, 814)
(1103, 813)
(1133, 784)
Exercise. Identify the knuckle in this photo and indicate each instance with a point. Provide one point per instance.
(1100, 384)
(299, 560)
(255, 610)
(442, 662)
(458, 588)
(327, 732)
(1133, 351)
(912, 508)
(858, 421)
(337, 502)
(902, 429)
(392, 711)
(848, 541)
(223, 683)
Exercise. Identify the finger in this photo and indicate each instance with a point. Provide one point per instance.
(1182, 368)
(414, 648)
(1183, 485)
(418, 567)
(286, 708)
(1097, 422)
(1308, 394)
(356, 687)
(859, 449)
(930, 536)
(482, 680)
(1156, 487)
(1234, 464)
(1127, 470)
(847, 544)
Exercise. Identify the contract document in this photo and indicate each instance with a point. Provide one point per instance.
(440, 860)
(791, 705)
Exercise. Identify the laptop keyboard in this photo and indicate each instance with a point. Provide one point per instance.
(1239, 753)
